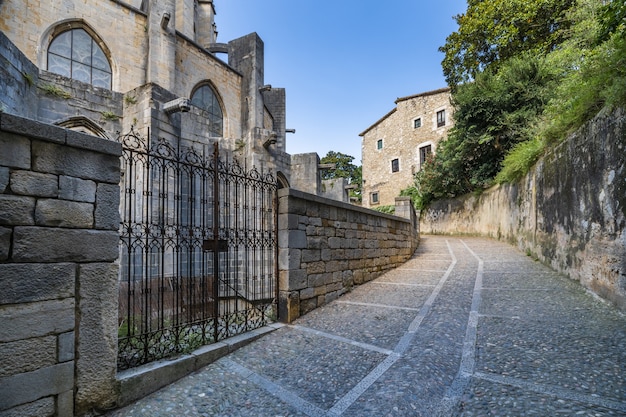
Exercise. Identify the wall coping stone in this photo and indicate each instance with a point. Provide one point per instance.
(284, 192)
(59, 135)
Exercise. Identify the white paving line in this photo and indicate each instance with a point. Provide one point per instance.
(347, 400)
(376, 305)
(468, 357)
(273, 388)
(554, 391)
(402, 284)
(365, 346)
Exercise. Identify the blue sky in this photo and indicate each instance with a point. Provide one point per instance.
(343, 63)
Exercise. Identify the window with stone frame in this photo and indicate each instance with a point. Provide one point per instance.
(395, 165)
(424, 152)
(374, 198)
(417, 123)
(75, 54)
(205, 98)
(441, 118)
(379, 144)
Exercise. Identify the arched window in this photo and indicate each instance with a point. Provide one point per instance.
(75, 54)
(205, 98)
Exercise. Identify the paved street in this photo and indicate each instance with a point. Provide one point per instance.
(467, 327)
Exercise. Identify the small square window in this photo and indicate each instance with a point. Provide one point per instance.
(417, 123)
(379, 144)
(374, 198)
(441, 118)
(395, 165)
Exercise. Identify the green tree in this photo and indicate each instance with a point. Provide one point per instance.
(344, 168)
(490, 32)
(492, 115)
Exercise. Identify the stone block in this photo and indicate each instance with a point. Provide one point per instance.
(17, 210)
(311, 255)
(27, 355)
(5, 243)
(14, 151)
(76, 189)
(32, 129)
(63, 213)
(316, 267)
(65, 346)
(107, 213)
(297, 279)
(30, 386)
(4, 179)
(25, 283)
(96, 354)
(22, 321)
(42, 407)
(44, 244)
(65, 403)
(35, 184)
(62, 160)
(288, 306)
(289, 259)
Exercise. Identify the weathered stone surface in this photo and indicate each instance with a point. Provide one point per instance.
(44, 244)
(42, 407)
(31, 386)
(107, 213)
(17, 210)
(5, 243)
(62, 213)
(24, 321)
(76, 189)
(35, 184)
(48, 157)
(96, 360)
(14, 150)
(24, 283)
(569, 211)
(27, 355)
(4, 179)
(66, 343)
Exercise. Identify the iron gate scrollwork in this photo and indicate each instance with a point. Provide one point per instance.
(198, 250)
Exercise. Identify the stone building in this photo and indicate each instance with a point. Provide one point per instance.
(104, 66)
(394, 148)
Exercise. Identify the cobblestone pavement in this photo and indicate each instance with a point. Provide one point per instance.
(467, 327)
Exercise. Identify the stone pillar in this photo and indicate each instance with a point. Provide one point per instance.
(206, 33)
(161, 43)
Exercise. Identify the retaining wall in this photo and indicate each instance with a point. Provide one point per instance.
(326, 247)
(569, 211)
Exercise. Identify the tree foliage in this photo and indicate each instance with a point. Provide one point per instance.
(491, 32)
(516, 107)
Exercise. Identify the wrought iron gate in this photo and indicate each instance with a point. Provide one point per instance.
(198, 250)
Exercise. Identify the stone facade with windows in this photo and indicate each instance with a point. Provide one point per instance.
(395, 147)
(102, 67)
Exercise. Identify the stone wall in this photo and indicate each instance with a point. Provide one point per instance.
(59, 220)
(569, 211)
(326, 247)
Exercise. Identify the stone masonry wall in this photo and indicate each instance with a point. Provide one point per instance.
(569, 211)
(326, 247)
(59, 220)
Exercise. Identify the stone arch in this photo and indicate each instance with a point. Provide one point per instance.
(281, 180)
(84, 125)
(202, 91)
(59, 28)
